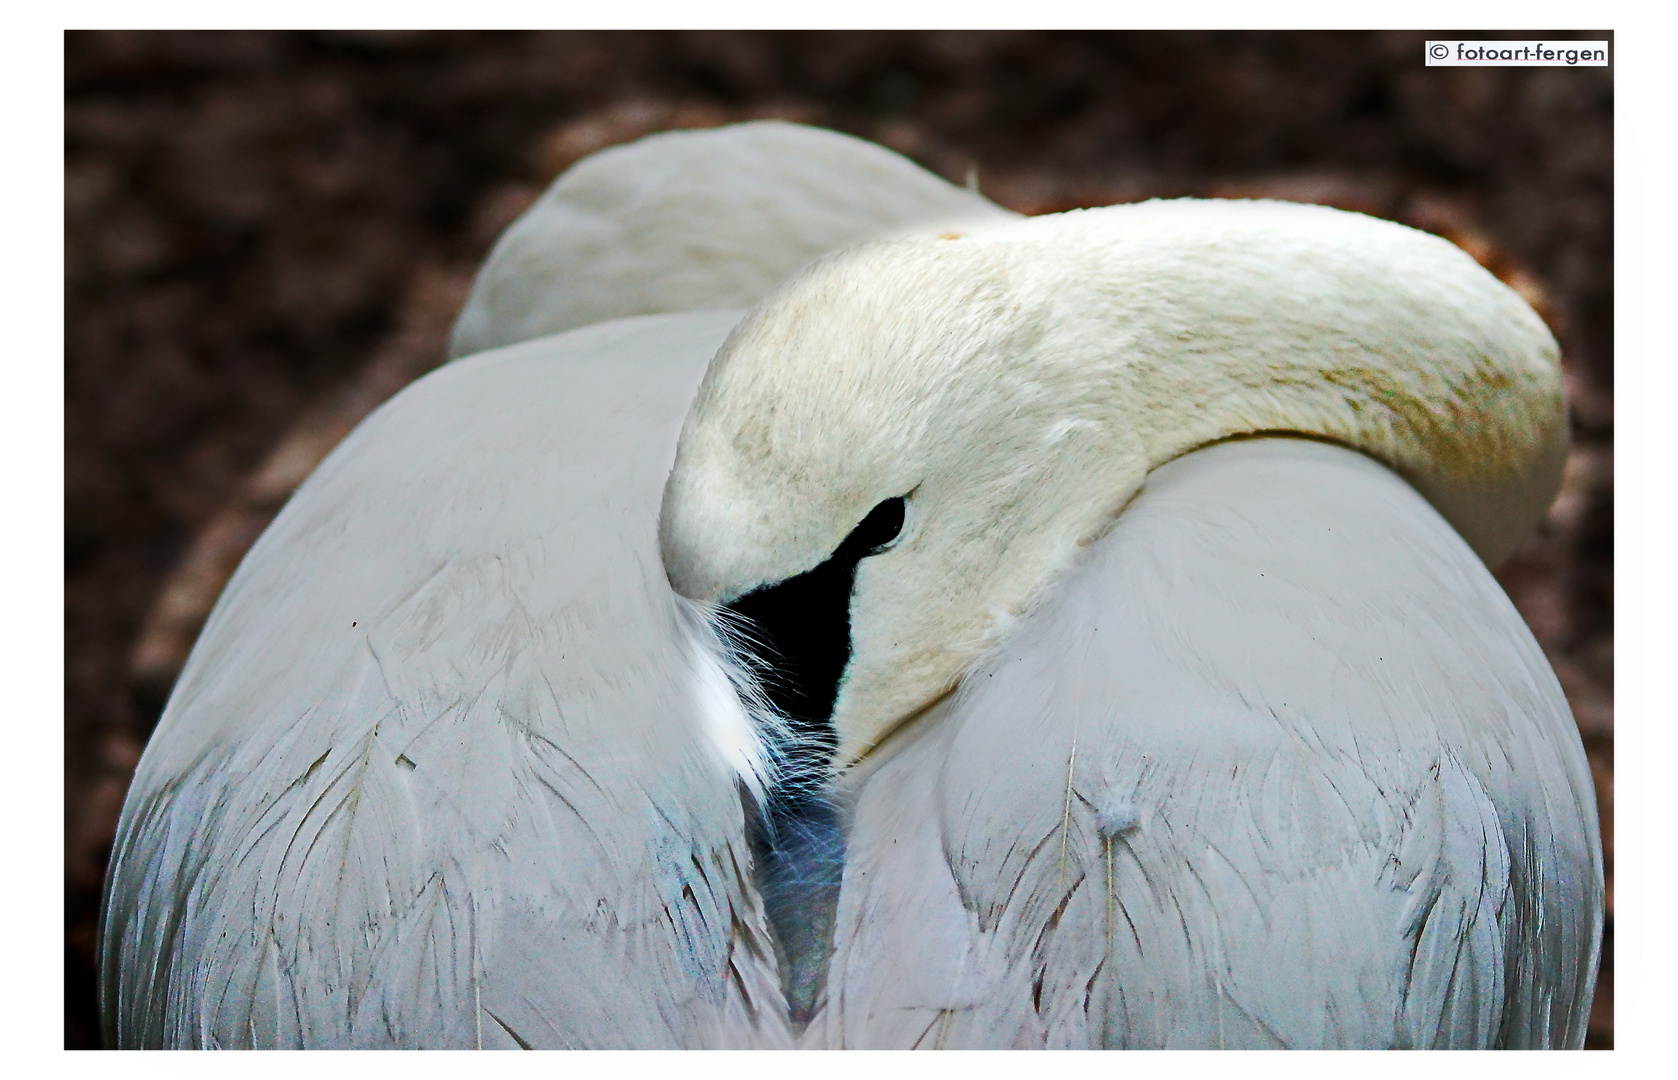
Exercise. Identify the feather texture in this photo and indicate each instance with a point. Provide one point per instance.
(697, 220)
(441, 771)
(1361, 813)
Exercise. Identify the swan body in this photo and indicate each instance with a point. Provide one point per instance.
(1138, 736)
(421, 800)
(697, 220)
(1274, 765)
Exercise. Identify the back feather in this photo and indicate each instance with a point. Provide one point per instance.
(439, 771)
(1276, 764)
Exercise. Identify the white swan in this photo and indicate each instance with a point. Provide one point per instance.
(1246, 747)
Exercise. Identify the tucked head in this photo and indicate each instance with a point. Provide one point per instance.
(1013, 387)
(925, 371)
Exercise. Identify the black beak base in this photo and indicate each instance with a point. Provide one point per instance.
(800, 630)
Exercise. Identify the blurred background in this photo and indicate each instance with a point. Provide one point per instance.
(268, 234)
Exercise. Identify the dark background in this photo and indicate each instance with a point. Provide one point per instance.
(266, 234)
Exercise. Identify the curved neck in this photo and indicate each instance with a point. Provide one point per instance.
(1303, 320)
(1019, 384)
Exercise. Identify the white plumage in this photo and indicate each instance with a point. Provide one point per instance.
(1361, 814)
(1248, 747)
(692, 221)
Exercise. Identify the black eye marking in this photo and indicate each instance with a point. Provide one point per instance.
(883, 525)
(802, 626)
(800, 631)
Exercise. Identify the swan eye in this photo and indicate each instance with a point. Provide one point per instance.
(878, 531)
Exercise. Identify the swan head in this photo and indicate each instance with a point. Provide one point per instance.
(906, 419)
(897, 449)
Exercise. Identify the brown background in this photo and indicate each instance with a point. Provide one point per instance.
(268, 233)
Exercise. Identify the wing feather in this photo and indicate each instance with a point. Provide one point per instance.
(1277, 765)
(436, 773)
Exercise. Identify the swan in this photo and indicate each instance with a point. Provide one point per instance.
(1071, 631)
